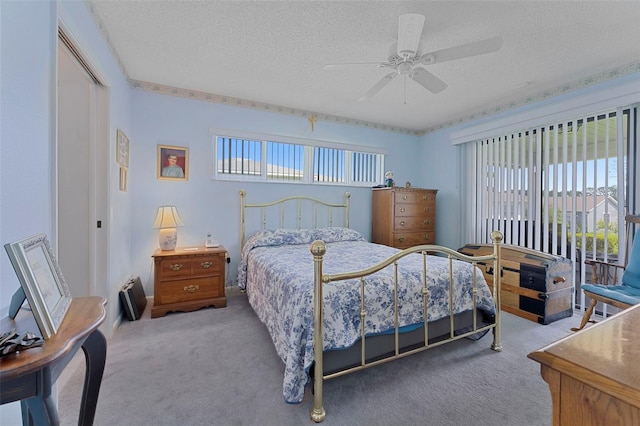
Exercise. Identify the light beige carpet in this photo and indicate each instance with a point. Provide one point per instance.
(219, 367)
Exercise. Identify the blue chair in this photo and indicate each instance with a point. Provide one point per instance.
(623, 295)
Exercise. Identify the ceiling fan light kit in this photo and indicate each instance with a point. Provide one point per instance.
(405, 58)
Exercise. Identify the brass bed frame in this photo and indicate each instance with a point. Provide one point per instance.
(318, 250)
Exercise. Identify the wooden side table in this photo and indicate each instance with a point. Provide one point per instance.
(28, 376)
(594, 375)
(188, 278)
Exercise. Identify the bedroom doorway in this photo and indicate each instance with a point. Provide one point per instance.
(81, 173)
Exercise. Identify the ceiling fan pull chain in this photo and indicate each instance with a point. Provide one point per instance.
(405, 89)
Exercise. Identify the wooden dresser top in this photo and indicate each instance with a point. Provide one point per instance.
(605, 355)
(400, 188)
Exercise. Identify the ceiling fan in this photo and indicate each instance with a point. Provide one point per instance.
(406, 59)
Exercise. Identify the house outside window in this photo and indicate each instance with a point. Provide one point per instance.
(288, 160)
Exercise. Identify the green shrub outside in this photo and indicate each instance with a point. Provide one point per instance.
(612, 242)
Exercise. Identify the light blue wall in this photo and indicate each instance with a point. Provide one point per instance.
(28, 34)
(441, 161)
(27, 107)
(207, 205)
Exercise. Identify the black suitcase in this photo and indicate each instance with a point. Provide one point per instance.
(133, 299)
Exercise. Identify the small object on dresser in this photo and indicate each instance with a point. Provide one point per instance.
(133, 299)
(388, 179)
(210, 242)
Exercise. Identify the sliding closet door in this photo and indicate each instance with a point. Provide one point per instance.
(81, 176)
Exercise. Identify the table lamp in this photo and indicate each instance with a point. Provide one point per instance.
(167, 220)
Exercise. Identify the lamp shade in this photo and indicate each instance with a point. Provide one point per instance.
(167, 220)
(167, 217)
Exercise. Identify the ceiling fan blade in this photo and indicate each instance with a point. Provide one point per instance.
(474, 48)
(409, 33)
(378, 86)
(330, 67)
(427, 80)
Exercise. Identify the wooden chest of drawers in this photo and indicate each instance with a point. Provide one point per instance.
(404, 217)
(186, 280)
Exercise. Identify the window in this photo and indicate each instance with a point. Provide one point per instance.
(562, 188)
(262, 159)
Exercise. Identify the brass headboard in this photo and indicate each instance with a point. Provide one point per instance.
(298, 200)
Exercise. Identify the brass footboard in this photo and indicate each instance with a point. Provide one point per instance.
(318, 249)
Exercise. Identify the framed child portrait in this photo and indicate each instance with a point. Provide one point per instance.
(173, 162)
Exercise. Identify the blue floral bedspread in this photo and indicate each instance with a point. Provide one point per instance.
(276, 269)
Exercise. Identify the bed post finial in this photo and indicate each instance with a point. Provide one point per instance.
(347, 197)
(243, 193)
(318, 249)
(497, 237)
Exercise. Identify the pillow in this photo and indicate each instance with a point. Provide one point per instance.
(279, 237)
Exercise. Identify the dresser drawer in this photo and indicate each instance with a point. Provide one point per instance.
(410, 239)
(404, 197)
(418, 209)
(413, 223)
(192, 289)
(412, 197)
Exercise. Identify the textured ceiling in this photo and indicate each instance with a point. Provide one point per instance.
(270, 54)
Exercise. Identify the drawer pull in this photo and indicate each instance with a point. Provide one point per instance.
(426, 237)
(206, 264)
(402, 223)
(402, 209)
(404, 197)
(425, 197)
(427, 221)
(191, 288)
(401, 239)
(427, 209)
(176, 266)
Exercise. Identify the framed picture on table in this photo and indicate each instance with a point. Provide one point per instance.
(41, 281)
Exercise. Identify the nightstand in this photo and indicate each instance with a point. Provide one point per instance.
(188, 278)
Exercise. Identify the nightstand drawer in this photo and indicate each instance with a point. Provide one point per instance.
(193, 289)
(174, 268)
(207, 265)
(185, 268)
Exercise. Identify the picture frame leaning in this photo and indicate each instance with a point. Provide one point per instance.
(42, 282)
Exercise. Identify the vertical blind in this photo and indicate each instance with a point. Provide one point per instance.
(560, 188)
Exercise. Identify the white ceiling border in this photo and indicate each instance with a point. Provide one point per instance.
(621, 95)
(244, 103)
